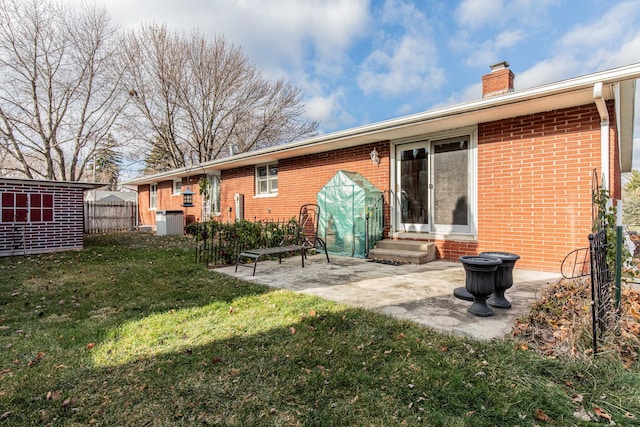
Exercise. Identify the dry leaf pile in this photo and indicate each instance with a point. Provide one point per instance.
(560, 323)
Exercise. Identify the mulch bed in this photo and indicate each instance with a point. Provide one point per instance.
(559, 325)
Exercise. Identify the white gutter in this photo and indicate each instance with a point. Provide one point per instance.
(598, 98)
(338, 139)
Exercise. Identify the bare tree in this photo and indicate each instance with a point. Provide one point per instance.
(197, 99)
(60, 92)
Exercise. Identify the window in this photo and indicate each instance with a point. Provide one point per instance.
(22, 207)
(267, 180)
(212, 198)
(177, 187)
(435, 176)
(153, 196)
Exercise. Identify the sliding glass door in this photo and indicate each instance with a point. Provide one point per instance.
(433, 179)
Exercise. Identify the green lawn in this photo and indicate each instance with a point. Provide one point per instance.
(130, 331)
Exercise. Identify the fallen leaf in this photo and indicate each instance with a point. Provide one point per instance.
(6, 415)
(577, 398)
(91, 345)
(39, 356)
(292, 330)
(312, 313)
(541, 416)
(601, 413)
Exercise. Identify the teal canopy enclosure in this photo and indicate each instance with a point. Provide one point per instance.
(351, 214)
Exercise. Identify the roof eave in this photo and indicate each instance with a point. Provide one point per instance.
(566, 93)
(625, 106)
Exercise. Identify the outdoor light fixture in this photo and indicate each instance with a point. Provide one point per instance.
(375, 159)
(187, 198)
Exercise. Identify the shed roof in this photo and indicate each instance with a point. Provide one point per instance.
(74, 184)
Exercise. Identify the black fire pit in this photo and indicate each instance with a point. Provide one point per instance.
(503, 278)
(480, 281)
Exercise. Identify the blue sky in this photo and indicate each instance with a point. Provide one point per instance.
(361, 61)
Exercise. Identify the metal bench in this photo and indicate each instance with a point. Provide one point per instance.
(305, 239)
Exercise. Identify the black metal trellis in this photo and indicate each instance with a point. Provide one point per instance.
(603, 311)
(595, 262)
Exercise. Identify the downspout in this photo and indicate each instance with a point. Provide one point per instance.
(601, 104)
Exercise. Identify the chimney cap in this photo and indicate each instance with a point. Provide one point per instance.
(499, 66)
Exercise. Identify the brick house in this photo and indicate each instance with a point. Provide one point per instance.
(41, 216)
(511, 171)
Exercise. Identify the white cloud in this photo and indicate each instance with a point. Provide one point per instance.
(627, 53)
(405, 68)
(476, 14)
(549, 70)
(469, 93)
(612, 26)
(608, 42)
(277, 35)
(328, 110)
(403, 62)
(286, 33)
(473, 14)
(611, 41)
(488, 52)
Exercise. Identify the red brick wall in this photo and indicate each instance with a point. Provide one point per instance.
(65, 232)
(168, 201)
(534, 184)
(300, 179)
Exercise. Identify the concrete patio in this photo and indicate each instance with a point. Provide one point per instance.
(421, 293)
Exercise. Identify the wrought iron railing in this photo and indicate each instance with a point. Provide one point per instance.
(219, 243)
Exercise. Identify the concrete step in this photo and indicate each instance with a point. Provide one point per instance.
(405, 245)
(404, 251)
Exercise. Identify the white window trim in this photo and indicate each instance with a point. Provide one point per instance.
(256, 181)
(472, 132)
(151, 192)
(173, 188)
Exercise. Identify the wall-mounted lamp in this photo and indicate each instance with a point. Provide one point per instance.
(187, 197)
(375, 158)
